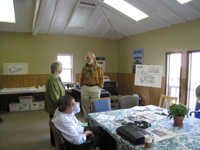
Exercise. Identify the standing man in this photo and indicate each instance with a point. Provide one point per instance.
(54, 90)
(91, 82)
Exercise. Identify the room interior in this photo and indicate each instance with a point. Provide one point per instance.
(41, 31)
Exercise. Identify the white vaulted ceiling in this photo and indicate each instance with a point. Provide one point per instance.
(53, 17)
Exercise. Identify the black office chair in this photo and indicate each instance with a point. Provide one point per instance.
(111, 86)
(62, 144)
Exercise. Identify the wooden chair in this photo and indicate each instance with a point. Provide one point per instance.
(100, 104)
(166, 101)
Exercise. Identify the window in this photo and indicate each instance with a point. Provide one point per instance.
(173, 74)
(193, 79)
(68, 73)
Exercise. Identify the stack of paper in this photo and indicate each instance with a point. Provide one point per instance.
(160, 134)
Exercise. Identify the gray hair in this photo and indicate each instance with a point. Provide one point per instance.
(55, 66)
(63, 102)
(91, 53)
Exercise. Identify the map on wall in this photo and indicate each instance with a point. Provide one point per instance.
(15, 68)
(148, 75)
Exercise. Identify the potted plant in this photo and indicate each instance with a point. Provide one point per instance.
(178, 112)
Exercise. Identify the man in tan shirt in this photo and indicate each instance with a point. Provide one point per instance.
(91, 82)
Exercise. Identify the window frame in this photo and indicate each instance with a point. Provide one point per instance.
(72, 66)
(166, 69)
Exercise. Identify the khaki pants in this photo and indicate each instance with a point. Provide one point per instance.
(87, 93)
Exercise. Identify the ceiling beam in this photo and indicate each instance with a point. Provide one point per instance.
(87, 22)
(97, 24)
(105, 18)
(146, 10)
(120, 32)
(130, 30)
(40, 10)
(170, 11)
(121, 15)
(104, 32)
(193, 9)
(70, 17)
(161, 20)
(54, 17)
(79, 31)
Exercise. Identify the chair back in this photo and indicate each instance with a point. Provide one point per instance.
(128, 101)
(166, 101)
(100, 104)
(60, 143)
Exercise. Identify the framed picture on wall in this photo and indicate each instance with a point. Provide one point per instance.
(137, 58)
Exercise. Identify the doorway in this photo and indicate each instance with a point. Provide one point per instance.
(193, 79)
(173, 74)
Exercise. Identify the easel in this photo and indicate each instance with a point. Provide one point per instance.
(151, 91)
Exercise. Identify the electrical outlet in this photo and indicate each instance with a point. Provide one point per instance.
(143, 96)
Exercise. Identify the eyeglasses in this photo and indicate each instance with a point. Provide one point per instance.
(88, 58)
(73, 105)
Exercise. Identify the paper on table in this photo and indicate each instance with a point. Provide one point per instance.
(106, 117)
(160, 134)
(153, 116)
(141, 108)
(152, 107)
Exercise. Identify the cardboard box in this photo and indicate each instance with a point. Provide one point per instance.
(35, 106)
(24, 107)
(26, 99)
(14, 107)
(41, 104)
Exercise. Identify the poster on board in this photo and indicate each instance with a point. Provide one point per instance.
(101, 62)
(137, 58)
(149, 75)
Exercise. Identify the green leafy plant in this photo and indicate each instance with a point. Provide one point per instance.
(177, 110)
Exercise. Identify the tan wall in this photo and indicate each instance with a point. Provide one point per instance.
(40, 51)
(180, 37)
(177, 38)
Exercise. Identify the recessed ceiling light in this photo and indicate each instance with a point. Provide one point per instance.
(184, 1)
(7, 13)
(127, 9)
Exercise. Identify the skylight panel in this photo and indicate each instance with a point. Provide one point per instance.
(184, 1)
(7, 13)
(127, 9)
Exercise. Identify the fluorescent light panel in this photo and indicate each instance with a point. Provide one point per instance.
(184, 1)
(7, 13)
(127, 9)
(80, 17)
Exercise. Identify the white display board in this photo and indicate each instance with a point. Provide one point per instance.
(149, 75)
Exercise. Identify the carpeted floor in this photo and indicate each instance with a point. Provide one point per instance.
(26, 130)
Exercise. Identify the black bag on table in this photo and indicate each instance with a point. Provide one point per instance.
(132, 133)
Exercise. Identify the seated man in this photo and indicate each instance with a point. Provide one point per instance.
(73, 131)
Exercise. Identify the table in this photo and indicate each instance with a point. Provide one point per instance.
(187, 138)
(28, 90)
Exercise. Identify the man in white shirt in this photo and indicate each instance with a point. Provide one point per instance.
(73, 131)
